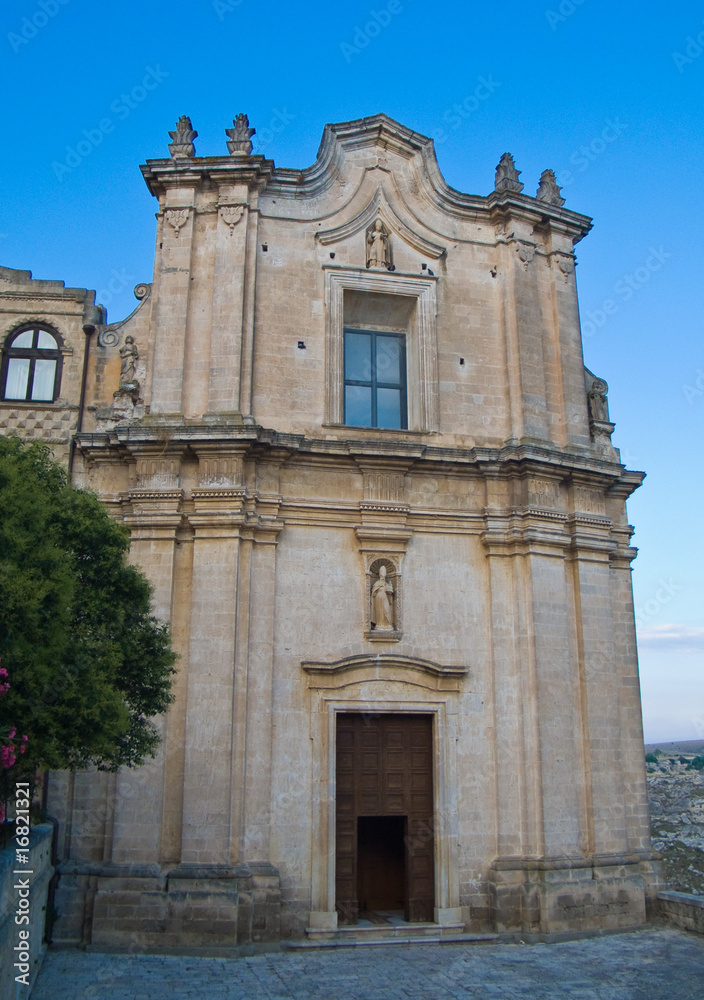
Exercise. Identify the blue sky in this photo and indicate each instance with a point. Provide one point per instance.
(609, 96)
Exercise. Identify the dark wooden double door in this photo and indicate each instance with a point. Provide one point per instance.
(384, 848)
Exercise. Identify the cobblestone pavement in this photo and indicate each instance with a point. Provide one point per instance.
(644, 965)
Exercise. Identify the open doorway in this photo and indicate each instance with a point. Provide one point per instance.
(381, 866)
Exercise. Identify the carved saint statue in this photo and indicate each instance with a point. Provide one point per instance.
(128, 367)
(378, 246)
(382, 603)
(598, 404)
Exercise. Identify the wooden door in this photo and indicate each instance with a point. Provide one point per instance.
(384, 769)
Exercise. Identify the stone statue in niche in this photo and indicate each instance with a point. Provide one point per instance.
(378, 247)
(128, 366)
(382, 616)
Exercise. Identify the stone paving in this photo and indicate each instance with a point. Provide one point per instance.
(655, 964)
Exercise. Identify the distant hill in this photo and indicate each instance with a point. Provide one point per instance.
(680, 746)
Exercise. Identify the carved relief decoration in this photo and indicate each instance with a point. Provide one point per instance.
(382, 599)
(158, 472)
(565, 263)
(231, 215)
(221, 470)
(589, 501)
(176, 218)
(383, 487)
(543, 493)
(526, 252)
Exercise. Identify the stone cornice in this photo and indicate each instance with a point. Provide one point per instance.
(389, 137)
(254, 171)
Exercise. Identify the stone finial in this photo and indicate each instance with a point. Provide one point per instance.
(548, 191)
(507, 175)
(181, 147)
(239, 137)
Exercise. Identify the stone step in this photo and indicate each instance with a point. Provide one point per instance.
(349, 937)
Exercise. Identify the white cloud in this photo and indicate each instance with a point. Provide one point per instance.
(672, 637)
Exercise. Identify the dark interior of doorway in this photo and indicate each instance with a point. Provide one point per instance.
(381, 866)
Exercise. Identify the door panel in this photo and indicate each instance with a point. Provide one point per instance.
(384, 770)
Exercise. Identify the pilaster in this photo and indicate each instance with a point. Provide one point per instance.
(217, 517)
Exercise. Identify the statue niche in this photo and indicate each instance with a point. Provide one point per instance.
(383, 601)
(379, 247)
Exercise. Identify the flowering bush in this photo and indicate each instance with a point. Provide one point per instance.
(8, 746)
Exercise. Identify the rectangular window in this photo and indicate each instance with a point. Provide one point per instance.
(375, 379)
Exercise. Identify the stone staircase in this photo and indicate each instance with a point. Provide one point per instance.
(388, 930)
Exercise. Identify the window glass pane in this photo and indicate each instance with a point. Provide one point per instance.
(17, 373)
(388, 408)
(388, 360)
(45, 341)
(24, 339)
(358, 405)
(358, 364)
(43, 384)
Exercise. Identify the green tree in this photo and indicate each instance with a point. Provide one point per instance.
(88, 663)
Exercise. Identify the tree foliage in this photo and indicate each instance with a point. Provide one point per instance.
(89, 664)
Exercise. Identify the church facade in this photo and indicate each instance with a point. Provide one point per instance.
(363, 465)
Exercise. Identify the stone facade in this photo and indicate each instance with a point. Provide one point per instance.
(263, 514)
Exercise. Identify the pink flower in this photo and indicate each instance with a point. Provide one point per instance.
(7, 757)
(11, 734)
(3, 672)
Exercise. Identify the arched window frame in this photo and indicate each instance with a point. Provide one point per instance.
(33, 354)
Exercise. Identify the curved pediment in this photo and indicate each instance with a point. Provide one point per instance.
(343, 140)
(380, 208)
(385, 667)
